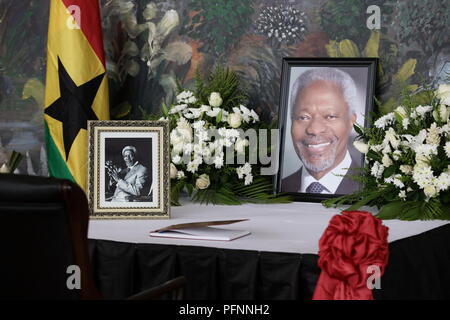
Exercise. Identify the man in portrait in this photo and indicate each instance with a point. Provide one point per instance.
(129, 182)
(323, 114)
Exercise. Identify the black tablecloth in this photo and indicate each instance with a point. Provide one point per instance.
(419, 268)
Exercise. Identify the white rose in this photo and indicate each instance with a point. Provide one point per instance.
(202, 182)
(173, 171)
(215, 100)
(430, 191)
(361, 146)
(234, 120)
(443, 93)
(4, 168)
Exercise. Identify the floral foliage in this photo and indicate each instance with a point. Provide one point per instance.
(206, 127)
(407, 156)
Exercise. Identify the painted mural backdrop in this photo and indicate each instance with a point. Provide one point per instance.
(152, 46)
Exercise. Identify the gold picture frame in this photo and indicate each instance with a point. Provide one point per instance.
(128, 169)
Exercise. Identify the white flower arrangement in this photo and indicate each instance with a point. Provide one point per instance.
(206, 125)
(407, 157)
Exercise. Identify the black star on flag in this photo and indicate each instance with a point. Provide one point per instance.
(74, 106)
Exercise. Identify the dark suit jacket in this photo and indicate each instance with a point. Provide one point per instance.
(292, 183)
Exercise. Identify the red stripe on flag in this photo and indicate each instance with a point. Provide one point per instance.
(90, 23)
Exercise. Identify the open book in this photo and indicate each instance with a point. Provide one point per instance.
(201, 231)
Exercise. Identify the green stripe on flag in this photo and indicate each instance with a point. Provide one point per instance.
(56, 164)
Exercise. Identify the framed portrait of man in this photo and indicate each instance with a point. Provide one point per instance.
(128, 169)
(321, 101)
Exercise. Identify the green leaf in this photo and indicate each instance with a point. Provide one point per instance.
(391, 210)
(358, 130)
(389, 171)
(219, 117)
(190, 188)
(373, 155)
(165, 110)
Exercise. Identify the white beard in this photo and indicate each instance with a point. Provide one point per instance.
(323, 164)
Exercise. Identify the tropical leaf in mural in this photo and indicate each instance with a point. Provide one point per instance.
(346, 19)
(373, 45)
(121, 110)
(144, 59)
(259, 66)
(35, 89)
(395, 85)
(406, 70)
(348, 48)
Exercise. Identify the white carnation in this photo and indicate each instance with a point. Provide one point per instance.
(447, 149)
(196, 112)
(405, 123)
(422, 110)
(406, 169)
(387, 162)
(213, 112)
(384, 121)
(192, 166)
(443, 181)
(185, 96)
(180, 174)
(254, 116)
(433, 135)
(248, 179)
(396, 155)
(176, 159)
(218, 161)
(247, 168)
(377, 170)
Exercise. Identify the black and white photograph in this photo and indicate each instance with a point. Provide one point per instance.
(127, 169)
(321, 101)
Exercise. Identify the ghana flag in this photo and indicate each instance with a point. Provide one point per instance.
(76, 85)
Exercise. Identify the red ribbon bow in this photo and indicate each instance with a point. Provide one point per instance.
(352, 245)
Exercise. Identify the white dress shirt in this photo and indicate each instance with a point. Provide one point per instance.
(331, 180)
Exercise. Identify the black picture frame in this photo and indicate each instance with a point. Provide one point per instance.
(363, 71)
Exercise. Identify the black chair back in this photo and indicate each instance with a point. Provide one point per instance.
(43, 235)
